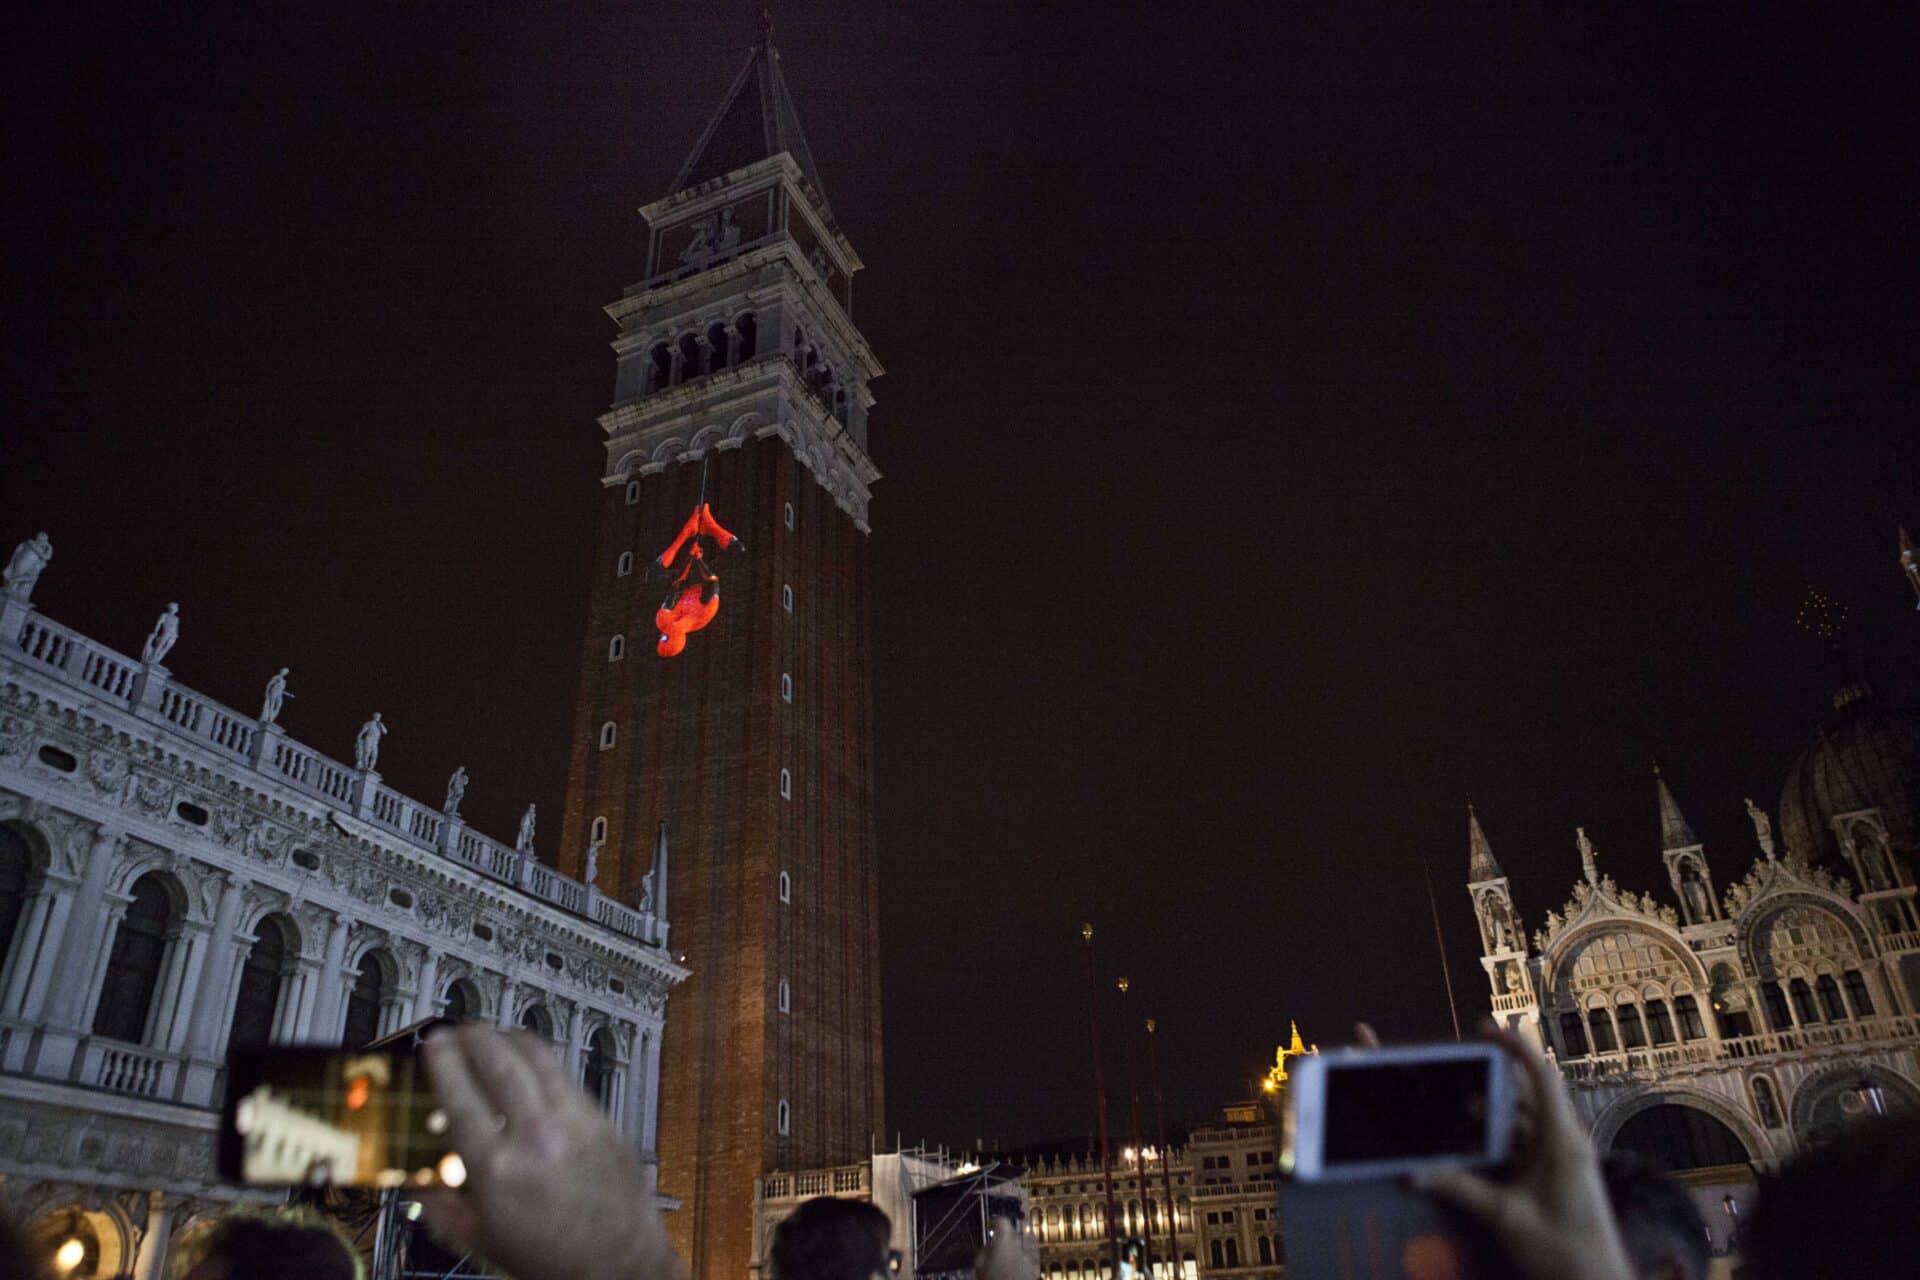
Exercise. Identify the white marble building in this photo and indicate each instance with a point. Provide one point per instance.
(1720, 1033)
(176, 875)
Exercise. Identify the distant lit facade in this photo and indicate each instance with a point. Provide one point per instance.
(177, 876)
(1724, 1030)
(1069, 1213)
(1234, 1193)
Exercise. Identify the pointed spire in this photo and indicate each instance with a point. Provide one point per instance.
(1910, 562)
(1480, 863)
(1674, 831)
(660, 874)
(756, 120)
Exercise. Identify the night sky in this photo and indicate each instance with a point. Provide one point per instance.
(1297, 419)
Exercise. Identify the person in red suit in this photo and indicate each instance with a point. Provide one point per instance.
(694, 599)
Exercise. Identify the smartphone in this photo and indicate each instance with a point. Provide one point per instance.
(306, 1115)
(1380, 1113)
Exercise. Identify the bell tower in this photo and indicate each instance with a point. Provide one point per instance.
(741, 382)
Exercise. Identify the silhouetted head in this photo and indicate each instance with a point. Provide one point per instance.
(295, 1244)
(1659, 1223)
(1845, 1209)
(829, 1239)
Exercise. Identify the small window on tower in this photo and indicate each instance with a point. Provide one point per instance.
(607, 735)
(785, 1116)
(786, 887)
(789, 515)
(786, 997)
(599, 831)
(616, 648)
(786, 595)
(786, 783)
(633, 493)
(786, 687)
(625, 564)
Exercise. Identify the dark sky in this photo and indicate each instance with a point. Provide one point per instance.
(1297, 419)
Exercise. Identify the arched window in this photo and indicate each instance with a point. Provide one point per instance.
(16, 861)
(784, 1116)
(689, 358)
(786, 887)
(133, 963)
(1803, 1001)
(1673, 1137)
(1233, 1252)
(1217, 1252)
(536, 1019)
(1631, 1037)
(607, 735)
(717, 347)
(786, 597)
(463, 1001)
(624, 566)
(749, 332)
(1766, 1104)
(1857, 993)
(1830, 1002)
(660, 367)
(598, 1075)
(1266, 1252)
(367, 1000)
(1573, 1035)
(1659, 1022)
(1602, 1027)
(789, 515)
(786, 784)
(1691, 1028)
(786, 687)
(786, 997)
(598, 831)
(1775, 1001)
(633, 493)
(616, 648)
(256, 1003)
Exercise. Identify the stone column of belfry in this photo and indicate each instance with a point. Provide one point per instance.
(753, 744)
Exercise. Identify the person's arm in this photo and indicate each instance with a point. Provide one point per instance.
(552, 1191)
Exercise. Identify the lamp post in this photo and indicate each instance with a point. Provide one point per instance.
(1139, 1147)
(1100, 1098)
(1166, 1156)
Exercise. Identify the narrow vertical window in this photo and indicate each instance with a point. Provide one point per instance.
(607, 735)
(789, 515)
(786, 687)
(625, 565)
(786, 887)
(786, 784)
(616, 648)
(786, 997)
(633, 493)
(599, 831)
(785, 1116)
(786, 592)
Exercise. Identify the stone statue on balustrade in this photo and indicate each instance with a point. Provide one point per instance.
(30, 560)
(524, 841)
(646, 892)
(366, 744)
(456, 791)
(161, 640)
(590, 868)
(274, 698)
(1762, 827)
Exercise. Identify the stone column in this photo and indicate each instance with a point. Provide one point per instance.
(179, 988)
(34, 938)
(647, 1070)
(93, 968)
(323, 1017)
(424, 1003)
(150, 1262)
(83, 947)
(574, 1056)
(214, 1005)
(503, 1016)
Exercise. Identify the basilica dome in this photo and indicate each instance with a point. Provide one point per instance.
(1867, 755)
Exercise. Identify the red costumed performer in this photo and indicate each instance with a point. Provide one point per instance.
(694, 599)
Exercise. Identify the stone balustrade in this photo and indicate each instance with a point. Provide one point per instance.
(152, 695)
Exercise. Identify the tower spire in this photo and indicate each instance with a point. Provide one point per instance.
(1480, 862)
(1675, 833)
(756, 120)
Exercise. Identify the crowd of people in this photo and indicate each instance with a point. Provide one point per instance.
(553, 1192)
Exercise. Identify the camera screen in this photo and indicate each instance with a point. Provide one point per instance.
(1405, 1110)
(319, 1117)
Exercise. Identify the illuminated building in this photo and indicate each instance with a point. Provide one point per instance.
(741, 382)
(177, 876)
(1722, 1031)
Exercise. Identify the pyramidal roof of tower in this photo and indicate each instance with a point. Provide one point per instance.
(755, 120)
(1674, 831)
(1480, 863)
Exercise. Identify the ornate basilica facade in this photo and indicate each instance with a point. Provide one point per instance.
(1722, 1031)
(177, 876)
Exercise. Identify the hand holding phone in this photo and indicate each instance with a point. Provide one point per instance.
(1384, 1113)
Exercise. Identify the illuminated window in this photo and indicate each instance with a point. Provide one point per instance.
(786, 687)
(599, 831)
(786, 997)
(786, 598)
(625, 565)
(785, 1116)
(616, 648)
(786, 887)
(607, 734)
(786, 784)
(633, 493)
(789, 515)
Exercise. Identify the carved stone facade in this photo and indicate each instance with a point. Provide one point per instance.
(157, 847)
(1721, 1033)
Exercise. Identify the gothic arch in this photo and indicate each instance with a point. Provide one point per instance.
(1607, 1125)
(1752, 924)
(1824, 1086)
